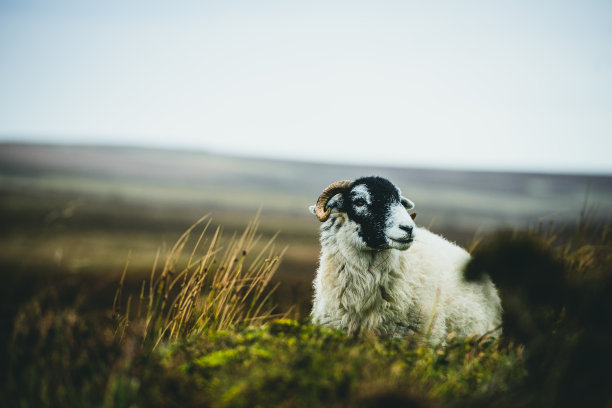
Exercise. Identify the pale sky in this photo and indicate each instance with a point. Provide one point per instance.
(503, 85)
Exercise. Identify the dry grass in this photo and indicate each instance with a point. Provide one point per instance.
(202, 286)
(585, 250)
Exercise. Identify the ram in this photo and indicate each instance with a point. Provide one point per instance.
(380, 273)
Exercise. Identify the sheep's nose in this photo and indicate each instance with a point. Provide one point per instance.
(407, 228)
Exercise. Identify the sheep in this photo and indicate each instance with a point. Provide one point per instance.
(380, 273)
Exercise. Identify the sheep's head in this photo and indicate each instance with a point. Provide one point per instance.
(376, 213)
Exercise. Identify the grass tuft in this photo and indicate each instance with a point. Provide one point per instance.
(202, 286)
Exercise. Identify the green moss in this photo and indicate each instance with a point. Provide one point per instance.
(217, 358)
(288, 364)
(283, 363)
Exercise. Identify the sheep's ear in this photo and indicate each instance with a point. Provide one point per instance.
(409, 205)
(334, 202)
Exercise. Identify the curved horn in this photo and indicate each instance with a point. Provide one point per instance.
(331, 190)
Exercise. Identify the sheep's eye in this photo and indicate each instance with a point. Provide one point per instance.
(360, 203)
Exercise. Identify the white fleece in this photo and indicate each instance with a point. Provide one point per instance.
(391, 292)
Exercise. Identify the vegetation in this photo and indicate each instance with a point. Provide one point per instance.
(186, 299)
(201, 332)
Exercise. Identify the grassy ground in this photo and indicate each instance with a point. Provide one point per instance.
(280, 364)
(555, 292)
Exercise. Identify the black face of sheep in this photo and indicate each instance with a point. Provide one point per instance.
(376, 206)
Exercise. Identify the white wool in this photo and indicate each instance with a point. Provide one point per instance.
(420, 290)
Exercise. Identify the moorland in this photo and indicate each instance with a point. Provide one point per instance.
(72, 217)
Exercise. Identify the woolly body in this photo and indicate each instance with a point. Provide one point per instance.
(416, 288)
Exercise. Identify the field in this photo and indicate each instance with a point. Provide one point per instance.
(72, 217)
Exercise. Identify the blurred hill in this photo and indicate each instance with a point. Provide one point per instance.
(451, 198)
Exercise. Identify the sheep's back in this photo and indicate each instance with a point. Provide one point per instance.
(450, 302)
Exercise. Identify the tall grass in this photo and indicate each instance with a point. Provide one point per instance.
(585, 250)
(202, 286)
